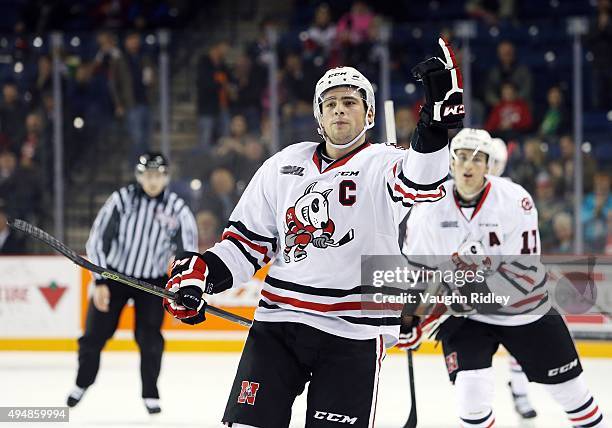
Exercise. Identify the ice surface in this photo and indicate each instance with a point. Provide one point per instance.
(194, 389)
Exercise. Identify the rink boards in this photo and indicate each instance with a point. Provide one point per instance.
(43, 300)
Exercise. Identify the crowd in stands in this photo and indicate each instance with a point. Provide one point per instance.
(116, 84)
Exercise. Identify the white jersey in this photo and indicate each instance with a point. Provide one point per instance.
(314, 220)
(505, 222)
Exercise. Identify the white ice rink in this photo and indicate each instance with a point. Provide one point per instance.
(194, 390)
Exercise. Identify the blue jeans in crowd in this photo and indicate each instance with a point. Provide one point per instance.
(212, 127)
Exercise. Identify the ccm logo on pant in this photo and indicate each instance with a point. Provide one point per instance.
(334, 417)
(563, 369)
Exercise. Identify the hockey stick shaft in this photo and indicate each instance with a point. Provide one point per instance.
(390, 122)
(348, 237)
(60, 247)
(412, 417)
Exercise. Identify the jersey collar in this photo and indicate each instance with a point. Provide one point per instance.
(479, 201)
(318, 155)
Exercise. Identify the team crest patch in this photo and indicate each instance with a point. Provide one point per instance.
(526, 204)
(307, 223)
(451, 362)
(248, 392)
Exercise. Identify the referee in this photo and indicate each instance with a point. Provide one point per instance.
(137, 231)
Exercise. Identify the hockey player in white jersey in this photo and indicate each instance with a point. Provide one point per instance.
(491, 224)
(518, 380)
(313, 209)
(499, 157)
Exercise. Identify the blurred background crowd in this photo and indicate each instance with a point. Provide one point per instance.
(239, 80)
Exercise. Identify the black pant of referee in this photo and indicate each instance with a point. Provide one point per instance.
(100, 326)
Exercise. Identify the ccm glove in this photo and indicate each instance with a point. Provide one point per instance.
(188, 281)
(414, 328)
(443, 84)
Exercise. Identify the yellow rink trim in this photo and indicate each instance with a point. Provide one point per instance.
(586, 348)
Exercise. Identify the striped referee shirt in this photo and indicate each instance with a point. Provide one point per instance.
(137, 235)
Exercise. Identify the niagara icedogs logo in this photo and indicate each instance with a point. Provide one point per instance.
(307, 222)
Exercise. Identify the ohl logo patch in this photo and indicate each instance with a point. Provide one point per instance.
(248, 391)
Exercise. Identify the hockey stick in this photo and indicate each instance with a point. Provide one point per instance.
(390, 122)
(412, 417)
(60, 247)
(348, 237)
(391, 138)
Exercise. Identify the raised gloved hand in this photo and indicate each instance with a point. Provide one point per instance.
(443, 88)
(188, 281)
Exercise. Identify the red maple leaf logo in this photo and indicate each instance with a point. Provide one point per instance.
(53, 293)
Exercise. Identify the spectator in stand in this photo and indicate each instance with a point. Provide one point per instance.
(43, 81)
(209, 230)
(299, 77)
(10, 241)
(247, 89)
(353, 34)
(565, 177)
(12, 116)
(491, 12)
(34, 148)
(508, 70)
(110, 13)
(21, 187)
(595, 209)
(138, 103)
(252, 157)
(321, 33)
(599, 40)
(530, 167)
(555, 118)
(405, 123)
(259, 49)
(8, 164)
(212, 82)
(548, 206)
(298, 80)
(230, 147)
(555, 170)
(221, 198)
(511, 116)
(563, 228)
(110, 63)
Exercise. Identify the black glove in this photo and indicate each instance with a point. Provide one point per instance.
(188, 281)
(443, 89)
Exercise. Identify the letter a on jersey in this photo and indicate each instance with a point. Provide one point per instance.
(248, 391)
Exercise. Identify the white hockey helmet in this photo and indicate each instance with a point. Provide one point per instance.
(476, 140)
(500, 157)
(343, 76)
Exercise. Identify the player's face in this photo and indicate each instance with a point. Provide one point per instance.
(343, 114)
(153, 182)
(469, 170)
